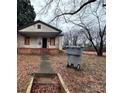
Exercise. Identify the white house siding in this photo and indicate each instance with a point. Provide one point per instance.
(34, 42)
(56, 43)
(33, 28)
(60, 42)
(20, 41)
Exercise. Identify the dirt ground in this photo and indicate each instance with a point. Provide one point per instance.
(26, 64)
(91, 78)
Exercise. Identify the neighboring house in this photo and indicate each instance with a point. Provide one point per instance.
(37, 37)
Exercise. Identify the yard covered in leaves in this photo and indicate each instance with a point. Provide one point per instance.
(26, 64)
(91, 78)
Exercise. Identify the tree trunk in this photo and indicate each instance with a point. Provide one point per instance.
(100, 53)
(100, 50)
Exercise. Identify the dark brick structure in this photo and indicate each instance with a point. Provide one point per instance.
(38, 51)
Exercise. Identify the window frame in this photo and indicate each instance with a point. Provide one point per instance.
(38, 26)
(52, 40)
(27, 40)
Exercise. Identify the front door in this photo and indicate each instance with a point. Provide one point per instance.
(44, 44)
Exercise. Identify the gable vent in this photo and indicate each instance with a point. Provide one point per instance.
(38, 26)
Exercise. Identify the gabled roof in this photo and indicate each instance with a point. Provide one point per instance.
(38, 21)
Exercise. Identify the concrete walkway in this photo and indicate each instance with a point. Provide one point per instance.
(45, 66)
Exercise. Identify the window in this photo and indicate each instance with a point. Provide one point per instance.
(39, 26)
(27, 40)
(52, 41)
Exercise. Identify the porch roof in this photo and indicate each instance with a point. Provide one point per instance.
(40, 34)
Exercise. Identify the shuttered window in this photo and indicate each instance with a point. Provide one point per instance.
(52, 41)
(27, 40)
(39, 26)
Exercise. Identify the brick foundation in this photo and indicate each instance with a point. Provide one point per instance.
(38, 51)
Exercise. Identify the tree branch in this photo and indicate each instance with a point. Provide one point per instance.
(72, 13)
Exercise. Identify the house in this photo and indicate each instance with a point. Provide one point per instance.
(38, 38)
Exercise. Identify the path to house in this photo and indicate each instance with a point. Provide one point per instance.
(45, 66)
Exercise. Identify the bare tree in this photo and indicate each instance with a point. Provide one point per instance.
(70, 38)
(74, 12)
(94, 33)
(74, 38)
(85, 14)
